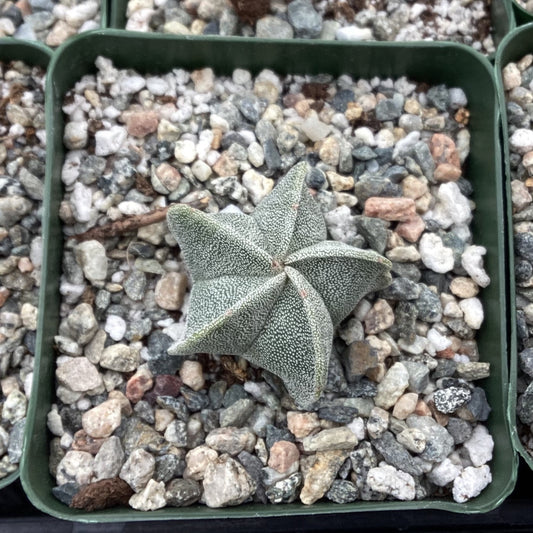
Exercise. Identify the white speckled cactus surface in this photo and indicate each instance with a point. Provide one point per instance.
(270, 287)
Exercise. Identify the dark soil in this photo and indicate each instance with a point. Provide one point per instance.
(367, 119)
(250, 11)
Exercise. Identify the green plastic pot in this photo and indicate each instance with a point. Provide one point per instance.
(34, 54)
(502, 15)
(435, 63)
(515, 46)
(522, 16)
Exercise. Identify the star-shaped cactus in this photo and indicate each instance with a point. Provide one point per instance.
(269, 287)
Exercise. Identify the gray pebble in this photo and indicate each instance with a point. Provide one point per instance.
(395, 454)
(237, 413)
(285, 490)
(307, 23)
(182, 492)
(342, 492)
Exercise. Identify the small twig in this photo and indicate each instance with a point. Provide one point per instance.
(123, 225)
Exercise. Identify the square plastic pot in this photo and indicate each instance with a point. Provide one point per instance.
(515, 46)
(502, 17)
(34, 54)
(434, 63)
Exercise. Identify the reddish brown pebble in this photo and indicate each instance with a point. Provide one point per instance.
(441, 418)
(411, 229)
(102, 495)
(447, 353)
(443, 150)
(446, 172)
(138, 384)
(390, 208)
(84, 443)
(422, 409)
(142, 123)
(165, 385)
(4, 295)
(283, 455)
(226, 166)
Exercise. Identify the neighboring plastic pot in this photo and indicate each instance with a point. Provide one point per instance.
(515, 46)
(502, 16)
(34, 54)
(434, 63)
(522, 16)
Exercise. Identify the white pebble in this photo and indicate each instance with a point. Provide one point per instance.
(444, 473)
(511, 76)
(472, 262)
(257, 185)
(473, 312)
(132, 84)
(157, 86)
(151, 498)
(314, 129)
(434, 254)
(132, 208)
(201, 170)
(75, 135)
(109, 141)
(71, 168)
(365, 135)
(241, 76)
(192, 375)
(471, 482)
(115, 326)
(438, 341)
(452, 207)
(185, 151)
(341, 224)
(480, 446)
(256, 155)
(521, 140)
(457, 98)
(387, 480)
(384, 139)
(80, 13)
(354, 33)
(357, 427)
(404, 145)
(81, 202)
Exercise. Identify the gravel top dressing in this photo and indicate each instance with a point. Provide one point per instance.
(353, 20)
(48, 21)
(402, 416)
(517, 77)
(22, 156)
